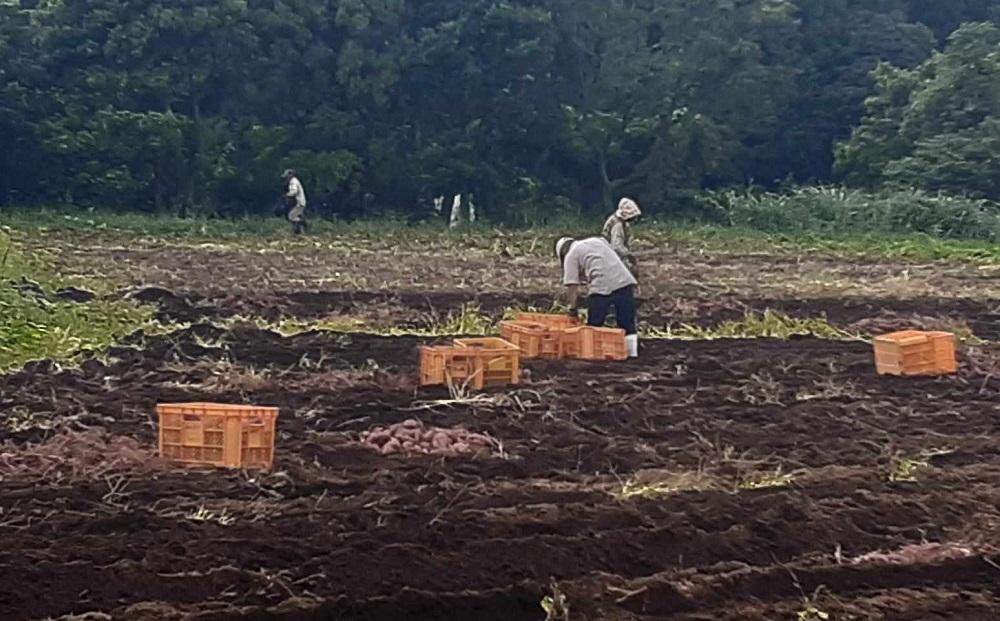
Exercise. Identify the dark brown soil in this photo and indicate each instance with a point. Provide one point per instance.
(337, 531)
(422, 309)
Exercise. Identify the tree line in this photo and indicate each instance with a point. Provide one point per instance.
(538, 108)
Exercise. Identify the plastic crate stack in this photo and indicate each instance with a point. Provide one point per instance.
(559, 337)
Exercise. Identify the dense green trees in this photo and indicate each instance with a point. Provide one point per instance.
(197, 105)
(937, 126)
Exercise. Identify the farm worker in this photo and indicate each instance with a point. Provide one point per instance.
(616, 231)
(295, 196)
(593, 262)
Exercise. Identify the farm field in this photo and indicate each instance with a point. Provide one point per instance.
(750, 479)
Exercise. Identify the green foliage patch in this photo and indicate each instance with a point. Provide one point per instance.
(842, 211)
(936, 126)
(33, 328)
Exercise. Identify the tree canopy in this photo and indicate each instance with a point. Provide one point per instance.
(937, 126)
(197, 105)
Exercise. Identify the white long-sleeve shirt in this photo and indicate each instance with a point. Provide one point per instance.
(296, 191)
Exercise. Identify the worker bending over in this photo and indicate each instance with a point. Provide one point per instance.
(616, 231)
(594, 263)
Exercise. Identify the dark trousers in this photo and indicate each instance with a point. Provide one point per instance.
(623, 300)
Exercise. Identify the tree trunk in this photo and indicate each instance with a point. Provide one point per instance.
(607, 188)
(611, 187)
(192, 172)
(158, 190)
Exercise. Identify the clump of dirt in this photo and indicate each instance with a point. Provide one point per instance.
(413, 437)
(75, 455)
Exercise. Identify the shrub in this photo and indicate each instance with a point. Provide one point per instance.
(832, 210)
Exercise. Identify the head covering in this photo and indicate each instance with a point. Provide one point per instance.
(562, 245)
(628, 209)
(288, 173)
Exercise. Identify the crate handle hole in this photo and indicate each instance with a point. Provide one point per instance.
(192, 417)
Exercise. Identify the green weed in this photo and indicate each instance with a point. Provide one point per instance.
(62, 331)
(33, 328)
(825, 210)
(293, 326)
(765, 480)
(650, 487)
(666, 485)
(769, 324)
(469, 321)
(908, 468)
(856, 245)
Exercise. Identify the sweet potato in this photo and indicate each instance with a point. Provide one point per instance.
(407, 433)
(392, 446)
(413, 437)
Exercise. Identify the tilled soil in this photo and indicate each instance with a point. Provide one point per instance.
(417, 281)
(748, 480)
(416, 310)
(498, 264)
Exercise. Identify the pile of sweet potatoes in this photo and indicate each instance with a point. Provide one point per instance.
(413, 437)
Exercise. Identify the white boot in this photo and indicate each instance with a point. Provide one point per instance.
(632, 343)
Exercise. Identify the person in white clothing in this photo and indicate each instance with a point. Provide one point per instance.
(295, 196)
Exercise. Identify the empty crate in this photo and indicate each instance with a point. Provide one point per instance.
(535, 340)
(478, 363)
(915, 353)
(213, 434)
(499, 359)
(588, 343)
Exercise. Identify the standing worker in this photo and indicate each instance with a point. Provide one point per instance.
(295, 196)
(594, 263)
(616, 231)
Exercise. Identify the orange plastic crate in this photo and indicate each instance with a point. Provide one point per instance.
(558, 322)
(435, 362)
(535, 340)
(915, 353)
(479, 363)
(499, 360)
(589, 343)
(214, 434)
